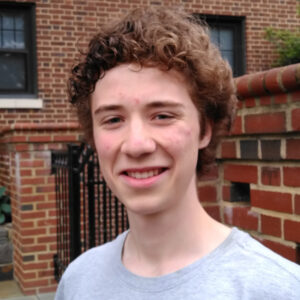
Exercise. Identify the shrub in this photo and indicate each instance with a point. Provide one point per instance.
(287, 44)
(5, 208)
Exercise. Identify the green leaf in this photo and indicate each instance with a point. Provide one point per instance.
(2, 218)
(2, 191)
(6, 208)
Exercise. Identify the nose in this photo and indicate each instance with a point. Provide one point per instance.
(137, 141)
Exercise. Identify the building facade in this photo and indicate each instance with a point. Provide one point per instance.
(39, 41)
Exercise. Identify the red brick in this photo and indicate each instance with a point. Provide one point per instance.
(271, 225)
(265, 123)
(39, 138)
(28, 224)
(31, 163)
(30, 198)
(296, 119)
(25, 172)
(17, 139)
(264, 101)
(45, 273)
(293, 149)
(213, 174)
(32, 249)
(283, 250)
(292, 230)
(240, 173)
(250, 102)
(242, 84)
(46, 239)
(291, 176)
(214, 212)
(280, 98)
(47, 256)
(228, 150)
(297, 204)
(226, 193)
(22, 147)
(272, 81)
(32, 215)
(45, 189)
(237, 126)
(32, 181)
(64, 138)
(29, 275)
(32, 232)
(288, 77)
(46, 206)
(207, 193)
(295, 96)
(257, 84)
(241, 216)
(270, 176)
(26, 241)
(276, 201)
(35, 283)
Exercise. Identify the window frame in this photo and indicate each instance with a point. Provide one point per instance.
(237, 23)
(30, 60)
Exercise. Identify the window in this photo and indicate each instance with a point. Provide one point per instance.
(228, 34)
(17, 51)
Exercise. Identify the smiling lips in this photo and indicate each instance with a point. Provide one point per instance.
(138, 174)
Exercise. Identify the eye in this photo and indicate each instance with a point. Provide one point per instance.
(163, 116)
(113, 120)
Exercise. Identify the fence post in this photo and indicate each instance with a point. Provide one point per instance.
(74, 201)
(91, 201)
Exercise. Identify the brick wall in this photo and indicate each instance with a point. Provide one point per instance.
(28, 135)
(264, 152)
(27, 148)
(64, 26)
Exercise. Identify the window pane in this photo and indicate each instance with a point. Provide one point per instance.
(8, 22)
(20, 40)
(19, 22)
(12, 72)
(226, 39)
(228, 55)
(8, 39)
(214, 36)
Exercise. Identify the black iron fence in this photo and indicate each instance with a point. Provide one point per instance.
(87, 213)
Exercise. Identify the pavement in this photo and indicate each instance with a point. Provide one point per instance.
(48, 296)
(9, 290)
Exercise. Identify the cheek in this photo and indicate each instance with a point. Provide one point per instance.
(180, 139)
(104, 145)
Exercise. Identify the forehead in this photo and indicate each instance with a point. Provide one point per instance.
(131, 83)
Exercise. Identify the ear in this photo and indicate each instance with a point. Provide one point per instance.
(206, 137)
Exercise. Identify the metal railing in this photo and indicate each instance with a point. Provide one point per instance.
(87, 212)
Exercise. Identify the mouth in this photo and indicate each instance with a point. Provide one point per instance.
(144, 174)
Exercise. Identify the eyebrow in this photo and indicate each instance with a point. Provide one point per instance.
(110, 107)
(153, 104)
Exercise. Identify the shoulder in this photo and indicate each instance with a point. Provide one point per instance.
(263, 267)
(94, 265)
(98, 257)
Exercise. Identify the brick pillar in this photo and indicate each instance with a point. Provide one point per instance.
(28, 148)
(263, 152)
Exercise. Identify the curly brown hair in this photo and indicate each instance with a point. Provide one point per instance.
(167, 39)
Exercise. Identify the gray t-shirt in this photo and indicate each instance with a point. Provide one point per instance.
(240, 268)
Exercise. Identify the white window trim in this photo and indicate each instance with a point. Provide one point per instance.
(21, 103)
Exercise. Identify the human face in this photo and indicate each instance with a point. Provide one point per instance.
(147, 136)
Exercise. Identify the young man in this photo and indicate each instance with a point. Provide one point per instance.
(153, 97)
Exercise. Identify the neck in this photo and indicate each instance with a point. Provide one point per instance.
(163, 243)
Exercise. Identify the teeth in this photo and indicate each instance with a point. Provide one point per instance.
(143, 175)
